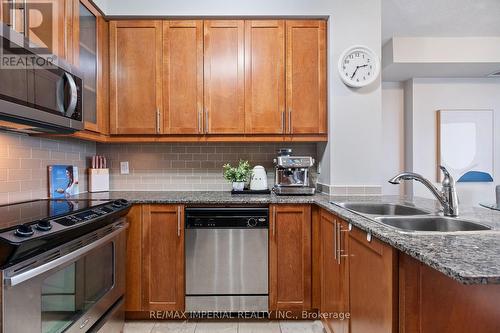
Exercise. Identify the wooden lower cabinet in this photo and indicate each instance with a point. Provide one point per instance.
(359, 285)
(163, 258)
(290, 258)
(373, 284)
(133, 293)
(334, 273)
(431, 302)
(155, 260)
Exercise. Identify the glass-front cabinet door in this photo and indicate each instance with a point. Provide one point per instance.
(87, 60)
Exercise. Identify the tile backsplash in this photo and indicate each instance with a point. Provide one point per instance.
(24, 161)
(185, 167)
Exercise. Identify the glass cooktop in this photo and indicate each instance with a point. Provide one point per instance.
(25, 212)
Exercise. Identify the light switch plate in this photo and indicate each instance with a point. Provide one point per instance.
(124, 168)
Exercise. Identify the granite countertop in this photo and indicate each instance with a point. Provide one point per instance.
(468, 257)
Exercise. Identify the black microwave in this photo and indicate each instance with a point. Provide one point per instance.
(38, 92)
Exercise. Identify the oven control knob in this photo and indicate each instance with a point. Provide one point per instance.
(44, 225)
(251, 222)
(24, 231)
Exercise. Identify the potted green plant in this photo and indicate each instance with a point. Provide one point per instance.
(238, 175)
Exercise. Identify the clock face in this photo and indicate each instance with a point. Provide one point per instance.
(358, 67)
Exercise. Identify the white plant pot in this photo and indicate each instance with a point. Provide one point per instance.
(238, 186)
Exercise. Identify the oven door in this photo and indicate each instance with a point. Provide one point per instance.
(70, 293)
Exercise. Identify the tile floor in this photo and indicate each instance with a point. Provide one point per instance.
(223, 327)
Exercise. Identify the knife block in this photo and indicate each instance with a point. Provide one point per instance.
(98, 180)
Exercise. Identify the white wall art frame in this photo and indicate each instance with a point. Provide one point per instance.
(465, 144)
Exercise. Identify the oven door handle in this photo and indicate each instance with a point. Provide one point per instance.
(19, 278)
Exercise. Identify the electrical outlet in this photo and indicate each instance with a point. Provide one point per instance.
(124, 168)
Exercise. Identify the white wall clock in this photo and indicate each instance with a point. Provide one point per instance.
(359, 66)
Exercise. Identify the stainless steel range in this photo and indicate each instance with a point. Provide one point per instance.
(63, 265)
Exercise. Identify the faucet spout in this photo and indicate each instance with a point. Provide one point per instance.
(447, 197)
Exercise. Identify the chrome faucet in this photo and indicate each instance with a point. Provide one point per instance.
(447, 196)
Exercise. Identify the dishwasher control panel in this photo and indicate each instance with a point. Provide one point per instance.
(223, 218)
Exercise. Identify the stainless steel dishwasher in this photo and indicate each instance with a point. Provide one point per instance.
(227, 259)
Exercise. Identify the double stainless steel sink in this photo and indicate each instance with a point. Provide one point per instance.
(409, 218)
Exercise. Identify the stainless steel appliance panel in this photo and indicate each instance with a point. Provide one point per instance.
(67, 293)
(227, 303)
(42, 99)
(226, 261)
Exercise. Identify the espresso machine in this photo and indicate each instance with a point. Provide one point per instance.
(292, 174)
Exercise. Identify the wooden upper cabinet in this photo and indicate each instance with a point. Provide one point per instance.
(265, 76)
(183, 77)
(306, 77)
(290, 258)
(163, 258)
(334, 272)
(372, 284)
(224, 77)
(135, 77)
(89, 52)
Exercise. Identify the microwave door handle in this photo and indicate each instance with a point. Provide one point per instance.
(73, 256)
(73, 95)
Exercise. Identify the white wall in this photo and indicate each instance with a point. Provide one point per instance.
(392, 135)
(430, 95)
(353, 155)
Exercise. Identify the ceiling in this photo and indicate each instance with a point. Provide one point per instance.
(440, 18)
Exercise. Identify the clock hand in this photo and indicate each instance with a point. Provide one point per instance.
(352, 76)
(358, 67)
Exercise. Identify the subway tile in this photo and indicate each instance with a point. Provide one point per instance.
(193, 164)
(179, 149)
(40, 153)
(4, 198)
(10, 163)
(31, 164)
(179, 164)
(19, 174)
(373, 190)
(19, 152)
(57, 155)
(4, 150)
(31, 185)
(10, 187)
(49, 144)
(356, 190)
(3, 175)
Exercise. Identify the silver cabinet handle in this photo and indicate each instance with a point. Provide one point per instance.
(369, 237)
(158, 121)
(335, 249)
(290, 120)
(199, 121)
(178, 221)
(283, 121)
(274, 222)
(337, 227)
(206, 120)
